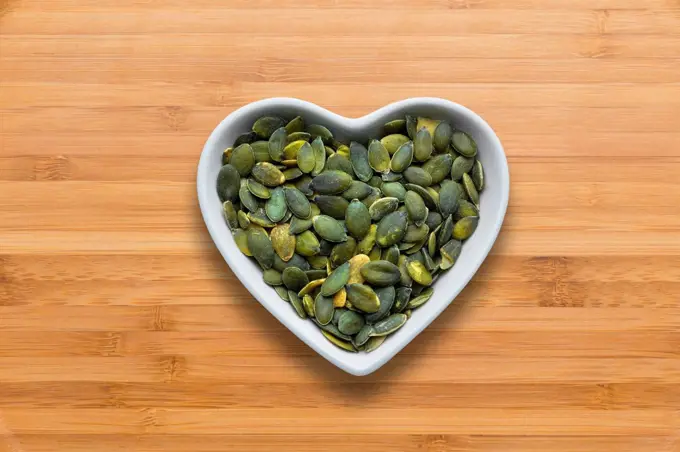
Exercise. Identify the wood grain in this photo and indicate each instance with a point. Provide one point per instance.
(121, 328)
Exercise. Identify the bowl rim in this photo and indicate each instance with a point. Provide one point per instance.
(204, 185)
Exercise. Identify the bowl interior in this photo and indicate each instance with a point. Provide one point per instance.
(493, 201)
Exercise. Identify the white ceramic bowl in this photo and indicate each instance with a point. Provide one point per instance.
(494, 201)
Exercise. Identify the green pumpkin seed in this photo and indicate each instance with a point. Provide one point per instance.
(401, 299)
(326, 247)
(264, 127)
(432, 243)
(358, 190)
(391, 229)
(450, 252)
(463, 144)
(243, 220)
(342, 252)
(257, 189)
(308, 305)
(380, 208)
(331, 182)
(411, 126)
(358, 219)
(415, 206)
(336, 280)
(419, 273)
(386, 295)
(296, 261)
(277, 142)
(461, 165)
(434, 219)
(416, 233)
(374, 255)
(297, 304)
(421, 299)
(351, 323)
(319, 156)
(478, 175)
(449, 197)
(292, 173)
(372, 197)
(422, 145)
(241, 240)
(375, 182)
(466, 209)
(438, 167)
(471, 190)
(317, 130)
(318, 262)
(366, 244)
(260, 218)
(402, 158)
(299, 136)
(329, 228)
(363, 335)
(276, 207)
(465, 227)
(226, 155)
(294, 279)
(261, 247)
(358, 156)
(311, 287)
(428, 261)
(268, 175)
(389, 325)
(393, 190)
(391, 254)
(307, 244)
(378, 157)
(429, 201)
(272, 277)
(380, 273)
(283, 242)
(391, 177)
(230, 215)
(248, 137)
(298, 225)
(347, 346)
(333, 206)
(243, 159)
(393, 142)
(298, 203)
(296, 124)
(306, 158)
(417, 246)
(282, 292)
(290, 152)
(445, 231)
(249, 201)
(339, 162)
(373, 343)
(418, 176)
(394, 126)
(442, 136)
(323, 309)
(261, 151)
(228, 183)
(363, 298)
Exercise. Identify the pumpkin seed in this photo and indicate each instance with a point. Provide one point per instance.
(434, 219)
(299, 225)
(428, 123)
(323, 309)
(418, 176)
(391, 229)
(226, 155)
(393, 142)
(292, 173)
(282, 292)
(319, 156)
(411, 125)
(438, 167)
(389, 325)
(296, 124)
(445, 231)
(363, 335)
(470, 190)
(342, 252)
(347, 346)
(461, 165)
(386, 295)
(419, 273)
(264, 127)
(277, 142)
(331, 182)
(382, 207)
(340, 298)
(297, 136)
(391, 177)
(306, 158)
(228, 183)
(260, 218)
(351, 323)
(257, 189)
(363, 298)
(478, 175)
(261, 247)
(416, 233)
(243, 220)
(276, 207)
(391, 254)
(415, 206)
(326, 247)
(358, 156)
(463, 144)
(311, 287)
(421, 299)
(430, 202)
(450, 252)
(373, 343)
(422, 145)
(283, 241)
(374, 255)
(266, 173)
(248, 137)
(241, 240)
(380, 273)
(372, 197)
(230, 215)
(336, 280)
(402, 158)
(328, 228)
(358, 219)
(449, 197)
(432, 243)
(401, 299)
(261, 151)
(378, 157)
(333, 206)
(394, 126)
(442, 136)
(249, 201)
(393, 190)
(296, 261)
(317, 130)
(296, 302)
(290, 152)
(464, 228)
(308, 304)
(307, 244)
(243, 159)
(298, 203)
(316, 273)
(294, 279)
(466, 209)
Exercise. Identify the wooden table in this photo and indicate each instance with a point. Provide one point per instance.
(121, 328)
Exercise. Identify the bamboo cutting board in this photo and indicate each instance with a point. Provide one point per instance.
(121, 328)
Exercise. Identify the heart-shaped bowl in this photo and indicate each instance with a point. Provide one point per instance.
(494, 201)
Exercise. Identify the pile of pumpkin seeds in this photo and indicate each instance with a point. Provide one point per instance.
(352, 235)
